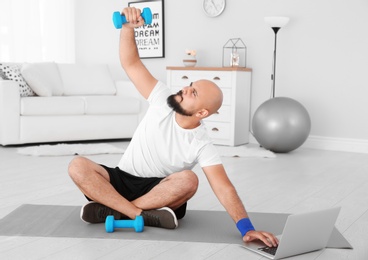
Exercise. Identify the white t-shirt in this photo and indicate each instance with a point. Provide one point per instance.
(160, 147)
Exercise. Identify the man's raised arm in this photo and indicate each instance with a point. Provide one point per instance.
(129, 57)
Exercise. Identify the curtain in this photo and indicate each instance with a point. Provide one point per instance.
(37, 30)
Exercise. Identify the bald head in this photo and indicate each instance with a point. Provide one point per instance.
(199, 100)
(212, 98)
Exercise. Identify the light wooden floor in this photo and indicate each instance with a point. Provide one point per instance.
(300, 181)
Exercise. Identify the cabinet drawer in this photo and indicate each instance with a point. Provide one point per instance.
(218, 130)
(223, 115)
(183, 78)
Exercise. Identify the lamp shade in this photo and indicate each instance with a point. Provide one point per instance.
(276, 21)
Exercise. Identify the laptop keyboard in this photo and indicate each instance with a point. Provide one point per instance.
(269, 250)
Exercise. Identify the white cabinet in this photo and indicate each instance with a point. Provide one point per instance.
(230, 125)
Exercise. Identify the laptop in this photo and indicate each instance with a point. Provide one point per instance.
(302, 233)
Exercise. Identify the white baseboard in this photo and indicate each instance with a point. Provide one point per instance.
(332, 144)
(337, 144)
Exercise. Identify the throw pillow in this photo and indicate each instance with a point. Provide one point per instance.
(2, 75)
(44, 78)
(12, 72)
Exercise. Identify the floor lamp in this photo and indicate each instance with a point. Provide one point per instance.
(276, 22)
(280, 124)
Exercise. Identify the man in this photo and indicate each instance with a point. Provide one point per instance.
(154, 178)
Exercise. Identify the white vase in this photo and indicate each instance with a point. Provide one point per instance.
(189, 61)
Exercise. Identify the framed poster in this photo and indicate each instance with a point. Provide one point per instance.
(150, 38)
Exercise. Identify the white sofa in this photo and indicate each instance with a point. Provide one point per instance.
(65, 102)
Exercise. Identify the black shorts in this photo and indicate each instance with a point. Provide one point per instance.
(132, 187)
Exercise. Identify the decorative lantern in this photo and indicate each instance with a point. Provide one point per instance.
(234, 53)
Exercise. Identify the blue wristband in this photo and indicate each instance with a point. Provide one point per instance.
(244, 225)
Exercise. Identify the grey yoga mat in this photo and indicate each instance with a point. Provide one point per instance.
(196, 226)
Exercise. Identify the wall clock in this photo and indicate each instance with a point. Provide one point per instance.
(213, 8)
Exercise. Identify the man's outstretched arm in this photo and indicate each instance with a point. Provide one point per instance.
(227, 195)
(129, 57)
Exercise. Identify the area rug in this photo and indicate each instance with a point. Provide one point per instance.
(71, 149)
(244, 151)
(196, 226)
(105, 148)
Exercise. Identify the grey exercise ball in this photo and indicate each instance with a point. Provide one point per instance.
(281, 124)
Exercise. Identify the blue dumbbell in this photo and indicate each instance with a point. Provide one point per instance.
(119, 19)
(111, 224)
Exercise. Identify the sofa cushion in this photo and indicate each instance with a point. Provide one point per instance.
(55, 106)
(11, 71)
(44, 78)
(84, 79)
(99, 105)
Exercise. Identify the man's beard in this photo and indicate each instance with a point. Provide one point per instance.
(175, 105)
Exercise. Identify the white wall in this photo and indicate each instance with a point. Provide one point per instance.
(322, 54)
